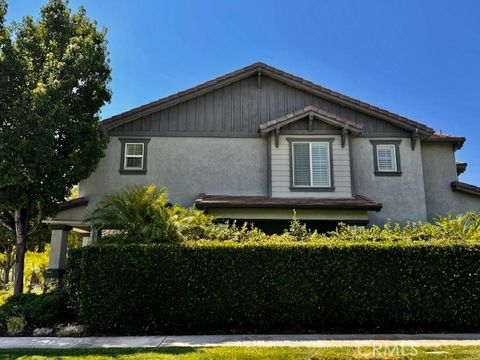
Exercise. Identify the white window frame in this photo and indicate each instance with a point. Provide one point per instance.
(329, 166)
(126, 156)
(394, 157)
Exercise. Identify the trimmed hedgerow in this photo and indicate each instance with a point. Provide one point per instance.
(42, 310)
(266, 287)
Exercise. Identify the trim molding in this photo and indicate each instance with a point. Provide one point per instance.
(125, 140)
(293, 188)
(398, 172)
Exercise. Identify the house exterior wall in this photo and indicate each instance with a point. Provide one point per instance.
(403, 197)
(439, 170)
(281, 168)
(211, 143)
(186, 167)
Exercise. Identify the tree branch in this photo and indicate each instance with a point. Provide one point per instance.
(6, 226)
(38, 222)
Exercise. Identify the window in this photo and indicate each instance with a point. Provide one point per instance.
(311, 164)
(134, 156)
(386, 157)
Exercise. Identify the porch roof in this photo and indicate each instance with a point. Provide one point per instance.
(358, 202)
(314, 113)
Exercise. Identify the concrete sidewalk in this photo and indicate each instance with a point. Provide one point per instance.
(314, 340)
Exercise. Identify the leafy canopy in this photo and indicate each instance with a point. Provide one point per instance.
(54, 73)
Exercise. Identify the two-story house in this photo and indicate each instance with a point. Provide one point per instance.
(257, 143)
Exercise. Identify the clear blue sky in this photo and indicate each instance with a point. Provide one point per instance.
(420, 59)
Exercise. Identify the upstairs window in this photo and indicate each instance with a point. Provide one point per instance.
(386, 157)
(311, 164)
(134, 156)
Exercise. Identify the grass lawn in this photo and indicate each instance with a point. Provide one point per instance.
(221, 353)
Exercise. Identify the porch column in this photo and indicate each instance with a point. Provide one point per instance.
(58, 250)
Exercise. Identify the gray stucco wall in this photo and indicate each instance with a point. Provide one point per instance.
(403, 197)
(439, 171)
(187, 167)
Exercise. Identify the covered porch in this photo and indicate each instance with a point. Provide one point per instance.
(61, 226)
(271, 214)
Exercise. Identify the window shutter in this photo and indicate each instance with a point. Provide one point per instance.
(320, 164)
(301, 160)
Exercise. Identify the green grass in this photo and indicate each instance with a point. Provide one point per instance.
(227, 353)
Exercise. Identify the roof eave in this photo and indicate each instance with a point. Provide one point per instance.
(318, 90)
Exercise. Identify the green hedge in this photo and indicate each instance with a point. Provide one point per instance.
(43, 310)
(208, 287)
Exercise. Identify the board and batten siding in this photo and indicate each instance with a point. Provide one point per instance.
(280, 168)
(238, 109)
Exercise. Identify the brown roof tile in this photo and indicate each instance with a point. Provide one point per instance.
(269, 70)
(466, 188)
(229, 201)
(74, 203)
(268, 126)
(458, 141)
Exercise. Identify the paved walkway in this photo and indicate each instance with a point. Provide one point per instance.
(425, 340)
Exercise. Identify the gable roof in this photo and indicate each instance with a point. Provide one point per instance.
(264, 69)
(314, 111)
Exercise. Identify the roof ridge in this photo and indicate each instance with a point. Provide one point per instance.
(331, 94)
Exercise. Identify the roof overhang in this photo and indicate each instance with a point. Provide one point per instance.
(461, 167)
(466, 188)
(263, 69)
(228, 201)
(312, 113)
(456, 141)
(74, 203)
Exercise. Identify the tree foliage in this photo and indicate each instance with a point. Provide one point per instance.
(54, 74)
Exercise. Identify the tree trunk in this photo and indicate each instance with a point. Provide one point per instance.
(20, 216)
(6, 269)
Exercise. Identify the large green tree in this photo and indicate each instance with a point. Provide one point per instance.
(54, 74)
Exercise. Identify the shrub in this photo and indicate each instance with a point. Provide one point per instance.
(277, 286)
(42, 332)
(143, 215)
(16, 325)
(43, 310)
(70, 330)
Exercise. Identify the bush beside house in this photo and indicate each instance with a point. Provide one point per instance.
(173, 270)
(256, 286)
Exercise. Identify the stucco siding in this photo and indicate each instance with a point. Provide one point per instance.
(439, 171)
(187, 167)
(281, 168)
(403, 197)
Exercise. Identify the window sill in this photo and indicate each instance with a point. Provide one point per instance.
(132, 172)
(388, 173)
(312, 189)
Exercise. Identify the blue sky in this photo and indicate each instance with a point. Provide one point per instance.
(420, 59)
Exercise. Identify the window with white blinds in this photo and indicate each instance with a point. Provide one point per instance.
(386, 158)
(311, 164)
(134, 153)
